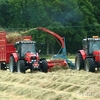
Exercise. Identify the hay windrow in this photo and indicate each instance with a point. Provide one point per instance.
(64, 84)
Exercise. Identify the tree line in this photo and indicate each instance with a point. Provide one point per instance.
(72, 19)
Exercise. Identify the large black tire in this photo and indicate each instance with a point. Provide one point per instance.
(21, 66)
(12, 64)
(44, 66)
(89, 65)
(79, 63)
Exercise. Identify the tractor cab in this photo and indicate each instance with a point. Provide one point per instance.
(90, 45)
(22, 47)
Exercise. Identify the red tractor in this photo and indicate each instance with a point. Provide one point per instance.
(89, 57)
(26, 57)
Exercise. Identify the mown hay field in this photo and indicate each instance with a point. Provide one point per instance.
(59, 84)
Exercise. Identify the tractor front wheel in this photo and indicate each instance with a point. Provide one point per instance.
(79, 62)
(44, 66)
(12, 64)
(21, 66)
(89, 65)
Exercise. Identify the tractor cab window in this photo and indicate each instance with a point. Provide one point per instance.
(94, 45)
(85, 45)
(26, 47)
(17, 46)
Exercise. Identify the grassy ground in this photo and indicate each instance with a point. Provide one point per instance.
(69, 56)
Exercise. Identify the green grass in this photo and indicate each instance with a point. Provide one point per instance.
(69, 56)
(46, 56)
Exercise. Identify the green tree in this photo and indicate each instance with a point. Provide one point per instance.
(4, 13)
(72, 19)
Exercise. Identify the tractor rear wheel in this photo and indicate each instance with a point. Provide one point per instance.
(21, 66)
(44, 66)
(12, 64)
(79, 64)
(89, 65)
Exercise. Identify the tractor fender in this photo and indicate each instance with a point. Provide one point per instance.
(82, 52)
(15, 55)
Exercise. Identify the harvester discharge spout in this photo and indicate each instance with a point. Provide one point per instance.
(63, 53)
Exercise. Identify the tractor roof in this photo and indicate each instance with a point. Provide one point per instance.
(91, 39)
(25, 42)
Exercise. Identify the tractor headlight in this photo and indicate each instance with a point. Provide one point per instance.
(32, 61)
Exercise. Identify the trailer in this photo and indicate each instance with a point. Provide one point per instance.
(5, 51)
